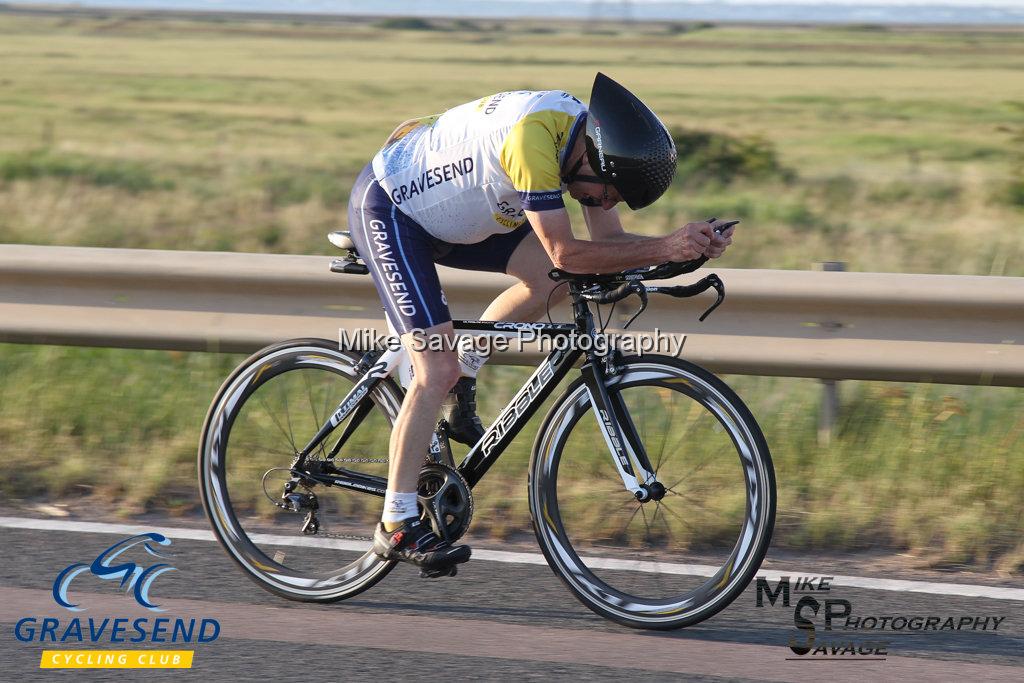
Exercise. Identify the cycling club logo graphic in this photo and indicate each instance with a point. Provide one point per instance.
(109, 566)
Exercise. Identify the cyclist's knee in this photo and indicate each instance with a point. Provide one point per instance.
(438, 370)
(546, 290)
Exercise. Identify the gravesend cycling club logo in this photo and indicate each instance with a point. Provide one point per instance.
(133, 564)
(137, 578)
(844, 635)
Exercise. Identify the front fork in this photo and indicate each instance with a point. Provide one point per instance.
(619, 432)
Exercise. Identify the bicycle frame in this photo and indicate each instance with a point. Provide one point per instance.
(618, 430)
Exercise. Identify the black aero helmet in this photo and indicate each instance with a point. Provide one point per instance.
(627, 144)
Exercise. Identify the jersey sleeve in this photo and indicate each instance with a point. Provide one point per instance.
(529, 156)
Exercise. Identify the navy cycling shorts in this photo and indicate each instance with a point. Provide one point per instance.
(401, 254)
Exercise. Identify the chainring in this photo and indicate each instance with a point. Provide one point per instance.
(446, 500)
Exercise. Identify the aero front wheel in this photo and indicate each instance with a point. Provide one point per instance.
(669, 562)
(267, 410)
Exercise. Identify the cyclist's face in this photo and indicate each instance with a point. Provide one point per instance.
(607, 195)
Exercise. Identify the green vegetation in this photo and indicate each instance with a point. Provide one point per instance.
(891, 150)
(706, 157)
(933, 469)
(405, 24)
(132, 177)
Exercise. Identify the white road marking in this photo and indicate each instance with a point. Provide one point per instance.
(933, 587)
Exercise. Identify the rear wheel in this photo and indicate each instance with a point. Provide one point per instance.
(671, 561)
(267, 410)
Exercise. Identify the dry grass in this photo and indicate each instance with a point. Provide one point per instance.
(246, 136)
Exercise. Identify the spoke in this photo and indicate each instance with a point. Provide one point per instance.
(643, 425)
(692, 502)
(309, 395)
(694, 486)
(651, 557)
(260, 448)
(678, 482)
(647, 525)
(288, 418)
(657, 575)
(679, 517)
(679, 442)
(686, 428)
(262, 424)
(328, 393)
(665, 428)
(270, 413)
(668, 527)
(625, 527)
(692, 472)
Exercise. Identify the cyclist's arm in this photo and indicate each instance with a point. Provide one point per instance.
(602, 255)
(606, 225)
(526, 156)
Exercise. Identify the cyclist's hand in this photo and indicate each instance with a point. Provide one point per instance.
(719, 242)
(690, 241)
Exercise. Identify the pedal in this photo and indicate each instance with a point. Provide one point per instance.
(438, 572)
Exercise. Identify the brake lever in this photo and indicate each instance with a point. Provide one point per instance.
(685, 291)
(641, 292)
(719, 286)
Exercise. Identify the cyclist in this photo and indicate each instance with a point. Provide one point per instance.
(480, 187)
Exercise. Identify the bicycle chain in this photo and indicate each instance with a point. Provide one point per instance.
(352, 537)
(344, 537)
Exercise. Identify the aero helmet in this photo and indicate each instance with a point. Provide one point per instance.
(628, 146)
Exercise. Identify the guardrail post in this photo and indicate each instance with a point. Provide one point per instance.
(829, 412)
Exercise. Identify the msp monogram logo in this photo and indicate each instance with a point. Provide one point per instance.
(830, 629)
(137, 578)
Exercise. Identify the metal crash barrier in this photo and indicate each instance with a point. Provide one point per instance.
(828, 325)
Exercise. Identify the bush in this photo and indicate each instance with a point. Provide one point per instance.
(405, 24)
(285, 185)
(126, 175)
(679, 27)
(1013, 193)
(707, 156)
(466, 25)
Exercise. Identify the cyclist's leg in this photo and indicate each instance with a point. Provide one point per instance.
(520, 254)
(527, 300)
(434, 374)
(399, 254)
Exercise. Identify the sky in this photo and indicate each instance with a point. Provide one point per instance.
(928, 11)
(326, 4)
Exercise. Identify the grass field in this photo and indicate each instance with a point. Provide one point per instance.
(891, 150)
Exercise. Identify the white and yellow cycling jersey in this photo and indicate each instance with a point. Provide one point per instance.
(469, 173)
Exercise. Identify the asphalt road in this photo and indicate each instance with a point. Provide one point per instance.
(493, 621)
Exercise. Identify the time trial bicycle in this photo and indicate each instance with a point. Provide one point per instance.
(651, 487)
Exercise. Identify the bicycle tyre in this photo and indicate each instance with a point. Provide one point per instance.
(215, 457)
(580, 574)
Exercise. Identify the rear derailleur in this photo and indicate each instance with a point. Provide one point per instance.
(295, 501)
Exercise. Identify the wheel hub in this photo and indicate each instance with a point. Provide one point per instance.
(652, 491)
